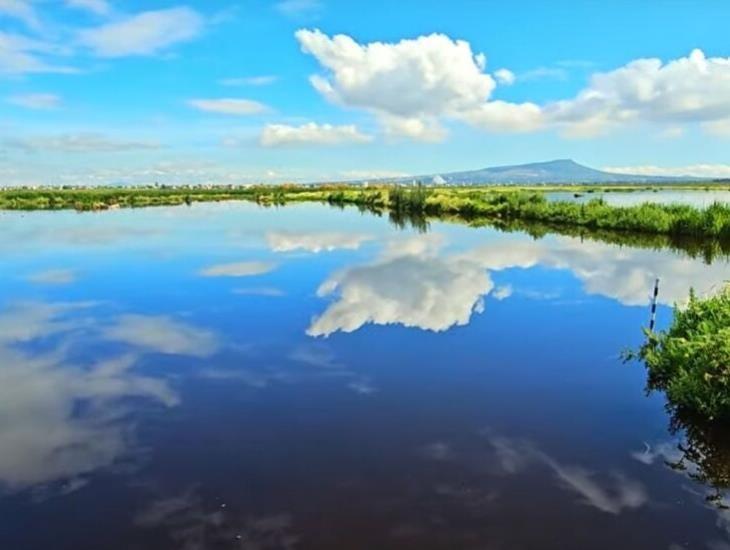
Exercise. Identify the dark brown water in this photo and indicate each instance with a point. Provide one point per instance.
(224, 376)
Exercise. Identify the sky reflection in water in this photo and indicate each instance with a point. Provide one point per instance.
(224, 376)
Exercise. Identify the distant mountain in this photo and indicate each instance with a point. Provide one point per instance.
(554, 171)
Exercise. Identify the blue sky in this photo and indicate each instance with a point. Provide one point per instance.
(108, 91)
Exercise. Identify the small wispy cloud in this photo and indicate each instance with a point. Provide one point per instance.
(53, 277)
(97, 7)
(373, 174)
(696, 170)
(261, 80)
(229, 106)
(505, 77)
(260, 291)
(21, 10)
(575, 63)
(276, 135)
(237, 269)
(300, 9)
(77, 143)
(145, 33)
(22, 55)
(316, 355)
(36, 101)
(544, 73)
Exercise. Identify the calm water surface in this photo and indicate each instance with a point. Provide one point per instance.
(700, 199)
(226, 376)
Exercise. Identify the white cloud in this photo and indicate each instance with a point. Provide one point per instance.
(505, 76)
(504, 116)
(502, 292)
(162, 334)
(689, 89)
(98, 7)
(696, 170)
(77, 143)
(145, 33)
(314, 242)
(269, 291)
(275, 135)
(372, 174)
(54, 277)
(426, 129)
(300, 9)
(36, 101)
(22, 55)
(229, 106)
(543, 73)
(22, 10)
(412, 84)
(427, 75)
(262, 80)
(238, 269)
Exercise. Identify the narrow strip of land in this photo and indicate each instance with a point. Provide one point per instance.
(496, 204)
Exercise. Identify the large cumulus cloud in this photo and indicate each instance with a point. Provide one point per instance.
(409, 85)
(415, 85)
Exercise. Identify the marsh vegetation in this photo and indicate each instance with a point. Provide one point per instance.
(690, 361)
(487, 203)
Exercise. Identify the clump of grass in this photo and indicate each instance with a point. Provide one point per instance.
(408, 201)
(690, 361)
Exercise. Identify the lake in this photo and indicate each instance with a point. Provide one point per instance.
(230, 376)
(699, 199)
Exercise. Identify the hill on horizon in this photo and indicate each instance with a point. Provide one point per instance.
(554, 171)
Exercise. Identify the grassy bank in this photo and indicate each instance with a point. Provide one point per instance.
(658, 219)
(466, 203)
(690, 361)
(104, 198)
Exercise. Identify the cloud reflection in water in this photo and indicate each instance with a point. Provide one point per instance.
(415, 284)
(61, 419)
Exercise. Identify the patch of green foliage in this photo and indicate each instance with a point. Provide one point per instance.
(649, 218)
(690, 361)
(496, 206)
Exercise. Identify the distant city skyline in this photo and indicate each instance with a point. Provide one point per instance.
(105, 92)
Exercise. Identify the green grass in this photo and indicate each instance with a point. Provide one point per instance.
(489, 204)
(690, 361)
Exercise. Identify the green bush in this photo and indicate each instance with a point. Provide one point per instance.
(690, 361)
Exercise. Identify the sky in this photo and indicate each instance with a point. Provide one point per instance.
(225, 91)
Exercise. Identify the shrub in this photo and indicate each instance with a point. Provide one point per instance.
(691, 360)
